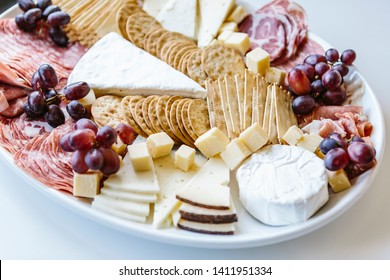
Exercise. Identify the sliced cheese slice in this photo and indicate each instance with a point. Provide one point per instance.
(179, 16)
(131, 196)
(119, 214)
(127, 179)
(223, 229)
(204, 215)
(136, 208)
(116, 66)
(214, 172)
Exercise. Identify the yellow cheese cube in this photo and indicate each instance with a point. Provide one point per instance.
(254, 137)
(119, 147)
(86, 185)
(212, 143)
(238, 14)
(258, 61)
(275, 75)
(88, 100)
(224, 36)
(239, 41)
(228, 26)
(235, 153)
(292, 135)
(338, 180)
(310, 142)
(184, 157)
(140, 157)
(159, 144)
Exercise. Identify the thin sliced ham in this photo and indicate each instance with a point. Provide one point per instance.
(3, 101)
(8, 76)
(44, 159)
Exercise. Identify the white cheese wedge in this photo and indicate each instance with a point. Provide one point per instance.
(119, 214)
(214, 172)
(116, 66)
(127, 179)
(130, 196)
(206, 228)
(179, 16)
(132, 207)
(212, 15)
(153, 7)
(282, 185)
(171, 180)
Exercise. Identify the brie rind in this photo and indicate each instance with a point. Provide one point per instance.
(116, 66)
(282, 185)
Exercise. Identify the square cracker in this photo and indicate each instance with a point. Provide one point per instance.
(285, 117)
(249, 88)
(234, 111)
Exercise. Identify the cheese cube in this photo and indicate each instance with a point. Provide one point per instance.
(258, 61)
(119, 147)
(140, 157)
(275, 75)
(254, 137)
(88, 100)
(224, 36)
(310, 142)
(292, 135)
(228, 26)
(159, 144)
(86, 185)
(212, 143)
(237, 15)
(184, 157)
(239, 41)
(235, 153)
(320, 154)
(338, 180)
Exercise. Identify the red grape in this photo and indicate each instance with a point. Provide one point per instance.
(54, 115)
(361, 153)
(328, 144)
(36, 102)
(59, 18)
(337, 136)
(106, 136)
(28, 111)
(317, 87)
(43, 4)
(37, 83)
(307, 69)
(48, 76)
(33, 15)
(26, 5)
(111, 163)
(341, 68)
(50, 9)
(58, 36)
(83, 139)
(126, 133)
(348, 57)
(23, 25)
(76, 110)
(336, 159)
(94, 159)
(303, 104)
(331, 79)
(332, 55)
(298, 81)
(321, 68)
(65, 143)
(76, 91)
(357, 139)
(334, 97)
(78, 162)
(86, 123)
(313, 59)
(52, 97)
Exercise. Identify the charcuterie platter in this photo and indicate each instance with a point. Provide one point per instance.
(219, 124)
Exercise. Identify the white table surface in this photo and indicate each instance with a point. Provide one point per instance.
(32, 226)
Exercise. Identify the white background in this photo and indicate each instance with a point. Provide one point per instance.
(32, 226)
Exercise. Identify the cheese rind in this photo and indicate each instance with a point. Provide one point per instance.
(235, 153)
(184, 157)
(212, 143)
(254, 137)
(258, 61)
(140, 157)
(159, 144)
(86, 185)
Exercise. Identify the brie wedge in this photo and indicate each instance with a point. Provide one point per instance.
(282, 185)
(116, 66)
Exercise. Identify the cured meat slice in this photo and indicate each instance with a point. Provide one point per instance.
(44, 159)
(15, 108)
(13, 92)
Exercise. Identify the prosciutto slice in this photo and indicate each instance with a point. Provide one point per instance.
(44, 159)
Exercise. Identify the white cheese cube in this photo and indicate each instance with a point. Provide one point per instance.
(86, 185)
(338, 180)
(159, 144)
(254, 137)
(184, 157)
(228, 26)
(224, 36)
(239, 41)
(258, 61)
(238, 14)
(212, 143)
(235, 153)
(310, 142)
(275, 75)
(140, 157)
(292, 135)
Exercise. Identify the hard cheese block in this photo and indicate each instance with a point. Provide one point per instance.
(282, 185)
(114, 65)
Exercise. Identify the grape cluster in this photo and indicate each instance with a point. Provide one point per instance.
(44, 101)
(43, 12)
(92, 146)
(318, 80)
(340, 152)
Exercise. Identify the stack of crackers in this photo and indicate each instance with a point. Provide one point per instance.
(183, 119)
(236, 102)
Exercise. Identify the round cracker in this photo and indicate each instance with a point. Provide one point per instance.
(168, 38)
(174, 124)
(175, 50)
(184, 62)
(183, 130)
(186, 121)
(139, 117)
(219, 60)
(195, 68)
(123, 14)
(138, 25)
(199, 116)
(180, 54)
(127, 112)
(152, 112)
(145, 111)
(106, 110)
(152, 39)
(162, 117)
